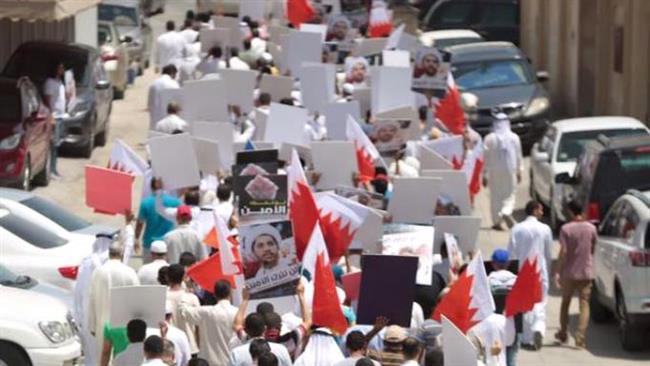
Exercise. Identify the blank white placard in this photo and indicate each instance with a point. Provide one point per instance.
(414, 200)
(336, 162)
(173, 159)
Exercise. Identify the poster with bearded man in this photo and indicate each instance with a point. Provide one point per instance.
(430, 71)
(271, 267)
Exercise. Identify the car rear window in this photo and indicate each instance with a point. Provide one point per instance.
(65, 219)
(572, 144)
(33, 234)
(491, 74)
(619, 171)
(451, 13)
(10, 112)
(38, 64)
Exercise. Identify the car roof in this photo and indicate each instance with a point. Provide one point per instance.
(484, 51)
(596, 123)
(14, 194)
(56, 45)
(621, 142)
(450, 33)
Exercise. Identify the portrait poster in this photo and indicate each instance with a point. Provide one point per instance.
(390, 135)
(430, 71)
(271, 266)
(370, 199)
(414, 241)
(261, 195)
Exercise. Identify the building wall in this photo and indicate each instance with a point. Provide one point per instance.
(85, 25)
(596, 51)
(15, 32)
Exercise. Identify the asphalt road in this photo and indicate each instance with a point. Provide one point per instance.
(129, 122)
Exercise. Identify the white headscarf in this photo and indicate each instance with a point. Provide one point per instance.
(350, 62)
(321, 350)
(251, 233)
(505, 141)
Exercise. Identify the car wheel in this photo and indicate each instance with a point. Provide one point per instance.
(599, 313)
(26, 176)
(43, 177)
(631, 336)
(102, 137)
(87, 149)
(11, 355)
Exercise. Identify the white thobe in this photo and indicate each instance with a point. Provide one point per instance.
(157, 110)
(321, 350)
(493, 330)
(241, 355)
(503, 160)
(170, 124)
(525, 234)
(148, 273)
(237, 63)
(210, 65)
(170, 49)
(189, 35)
(112, 274)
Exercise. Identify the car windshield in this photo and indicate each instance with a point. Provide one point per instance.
(120, 15)
(65, 219)
(11, 108)
(33, 234)
(491, 74)
(572, 144)
(448, 42)
(6, 276)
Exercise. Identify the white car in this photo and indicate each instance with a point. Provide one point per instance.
(33, 245)
(36, 330)
(622, 269)
(450, 37)
(559, 151)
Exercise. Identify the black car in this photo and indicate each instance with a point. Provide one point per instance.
(86, 123)
(500, 75)
(607, 169)
(494, 20)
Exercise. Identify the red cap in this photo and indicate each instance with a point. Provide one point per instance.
(183, 212)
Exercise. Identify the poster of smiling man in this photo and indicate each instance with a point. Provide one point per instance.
(271, 267)
(430, 71)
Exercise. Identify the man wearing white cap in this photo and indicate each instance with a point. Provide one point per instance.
(148, 273)
(502, 170)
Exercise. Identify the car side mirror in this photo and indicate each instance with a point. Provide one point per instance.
(102, 84)
(565, 178)
(542, 76)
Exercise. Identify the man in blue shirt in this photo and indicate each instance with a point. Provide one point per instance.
(155, 226)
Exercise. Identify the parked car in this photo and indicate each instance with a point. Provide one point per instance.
(446, 38)
(559, 150)
(132, 28)
(114, 56)
(10, 279)
(495, 20)
(606, 170)
(36, 329)
(152, 7)
(25, 134)
(500, 75)
(87, 120)
(622, 269)
(40, 248)
(45, 210)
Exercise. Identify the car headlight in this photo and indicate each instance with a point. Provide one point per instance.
(11, 142)
(56, 331)
(79, 108)
(537, 106)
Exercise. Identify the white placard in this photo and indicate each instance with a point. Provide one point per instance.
(205, 100)
(336, 116)
(391, 88)
(396, 58)
(457, 348)
(362, 95)
(275, 31)
(416, 241)
(286, 124)
(255, 9)
(302, 47)
(368, 236)
(207, 155)
(454, 187)
(223, 133)
(173, 159)
(137, 302)
(465, 228)
(393, 39)
(365, 47)
(414, 200)
(317, 86)
(404, 113)
(304, 152)
(279, 87)
(451, 148)
(240, 85)
(214, 37)
(430, 159)
(232, 24)
(259, 145)
(336, 162)
(315, 28)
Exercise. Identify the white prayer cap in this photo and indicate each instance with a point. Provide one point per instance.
(115, 249)
(159, 247)
(251, 233)
(267, 57)
(469, 101)
(348, 88)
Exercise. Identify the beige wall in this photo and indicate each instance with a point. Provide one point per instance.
(575, 41)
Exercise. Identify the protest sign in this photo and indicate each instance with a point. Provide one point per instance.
(173, 159)
(243, 82)
(365, 47)
(368, 237)
(303, 152)
(261, 195)
(391, 88)
(396, 58)
(205, 100)
(411, 240)
(137, 302)
(464, 228)
(370, 199)
(351, 285)
(271, 266)
(278, 87)
(414, 200)
(336, 115)
(405, 113)
(207, 155)
(430, 71)
(222, 132)
(256, 10)
(315, 28)
(108, 191)
(302, 47)
(275, 31)
(362, 95)
(430, 159)
(232, 24)
(286, 124)
(394, 38)
(336, 162)
(377, 282)
(454, 192)
(317, 86)
(259, 145)
(451, 148)
(390, 135)
(214, 37)
(457, 348)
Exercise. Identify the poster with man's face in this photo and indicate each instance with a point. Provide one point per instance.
(389, 136)
(430, 71)
(271, 267)
(414, 241)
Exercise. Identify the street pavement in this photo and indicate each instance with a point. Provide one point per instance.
(130, 120)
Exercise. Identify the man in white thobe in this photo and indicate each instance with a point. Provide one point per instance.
(169, 47)
(502, 170)
(172, 123)
(148, 273)
(155, 102)
(111, 274)
(525, 234)
(88, 265)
